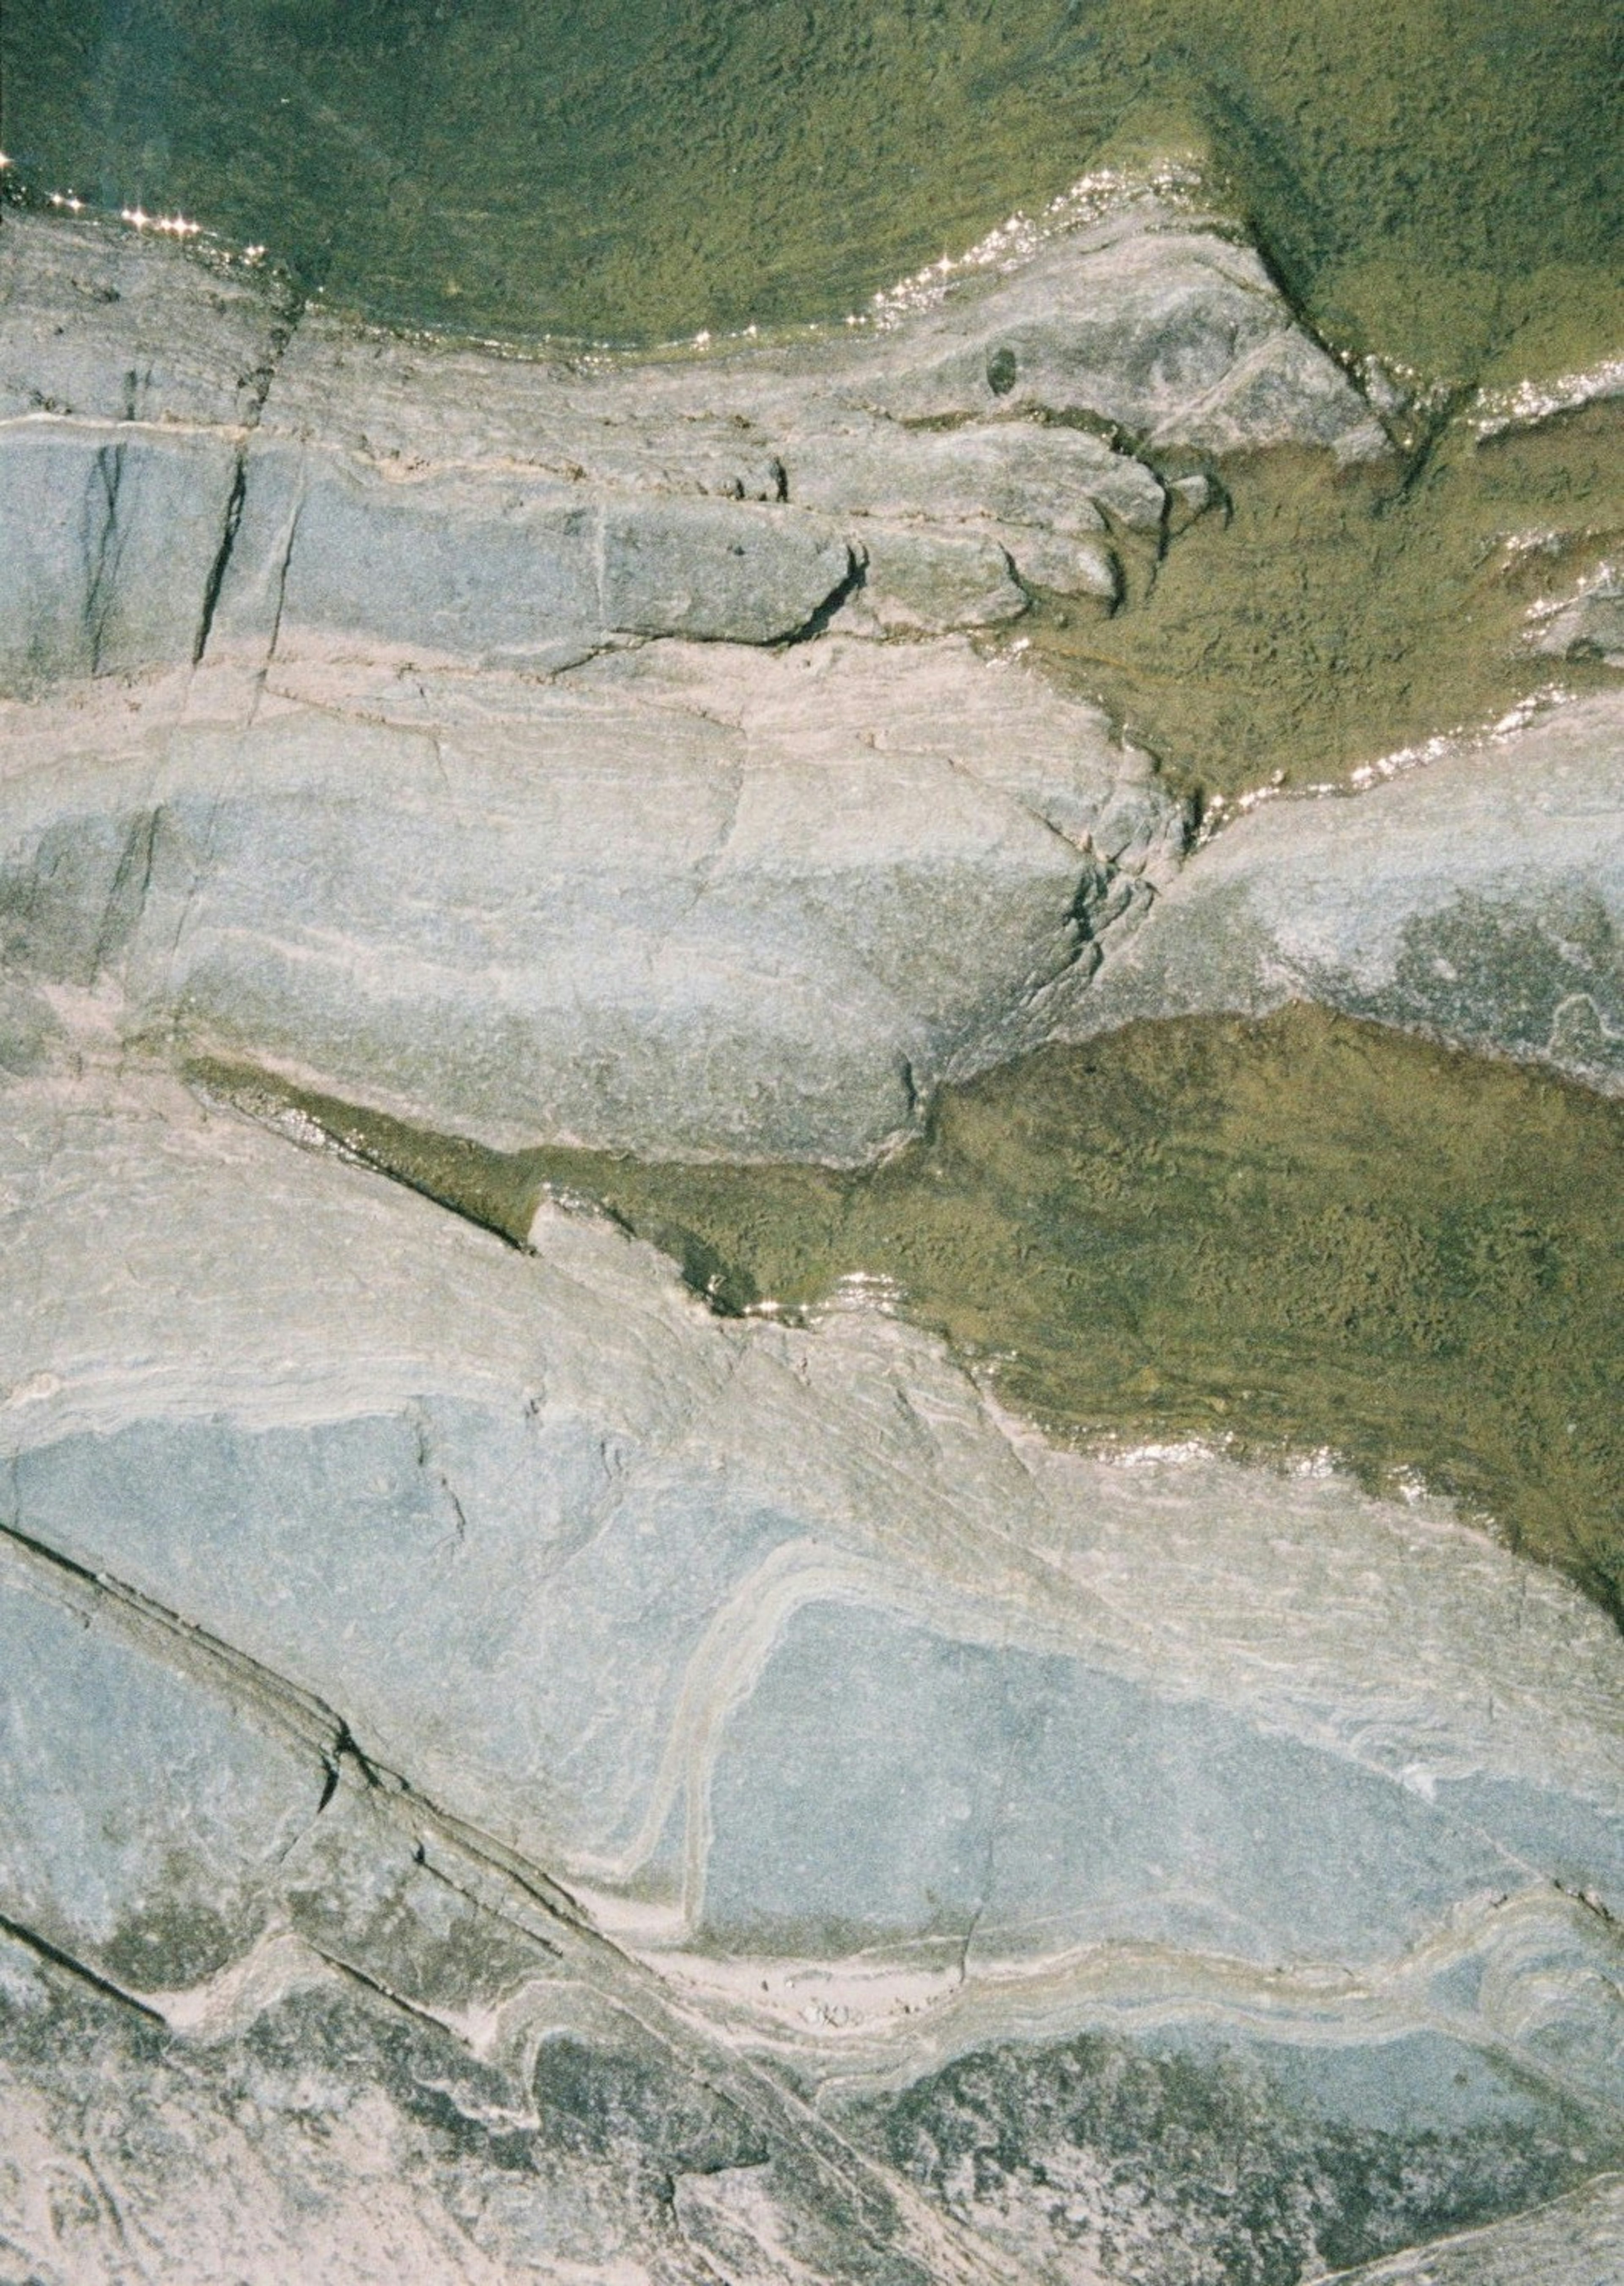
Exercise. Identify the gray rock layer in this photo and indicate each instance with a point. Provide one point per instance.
(529, 510)
(692, 899)
(503, 1774)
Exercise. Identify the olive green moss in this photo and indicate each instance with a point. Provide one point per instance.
(1294, 1234)
(1439, 181)
(1323, 618)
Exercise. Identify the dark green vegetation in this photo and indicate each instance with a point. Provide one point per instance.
(1300, 1233)
(1438, 181)
(1332, 616)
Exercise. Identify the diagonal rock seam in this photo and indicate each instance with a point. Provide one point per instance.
(564, 1929)
(216, 569)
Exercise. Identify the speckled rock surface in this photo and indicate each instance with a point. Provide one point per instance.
(1577, 2237)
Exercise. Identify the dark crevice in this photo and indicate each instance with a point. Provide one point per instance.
(300, 1713)
(910, 1091)
(1430, 427)
(396, 1998)
(274, 637)
(372, 1775)
(104, 552)
(216, 569)
(264, 376)
(856, 573)
(43, 1948)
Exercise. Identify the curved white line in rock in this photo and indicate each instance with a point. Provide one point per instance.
(728, 1662)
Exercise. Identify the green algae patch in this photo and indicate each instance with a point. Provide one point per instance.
(1439, 183)
(1321, 618)
(1301, 1234)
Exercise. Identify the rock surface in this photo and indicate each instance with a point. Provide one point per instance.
(621, 878)
(1479, 897)
(1589, 626)
(1574, 2238)
(620, 907)
(456, 506)
(502, 1773)
(876, 1745)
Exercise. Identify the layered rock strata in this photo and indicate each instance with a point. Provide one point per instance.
(290, 487)
(623, 907)
(616, 909)
(572, 613)
(502, 1773)
(789, 1711)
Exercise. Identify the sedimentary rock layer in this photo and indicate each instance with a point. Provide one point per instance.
(225, 472)
(506, 1774)
(693, 898)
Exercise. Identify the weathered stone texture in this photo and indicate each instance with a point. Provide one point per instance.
(618, 909)
(504, 1774)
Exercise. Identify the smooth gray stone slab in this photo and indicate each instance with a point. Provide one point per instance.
(1057, 1807)
(933, 581)
(141, 1817)
(1069, 564)
(109, 541)
(899, 1741)
(717, 572)
(582, 1561)
(1479, 898)
(617, 909)
(503, 568)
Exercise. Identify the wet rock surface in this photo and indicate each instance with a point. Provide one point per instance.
(504, 1772)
